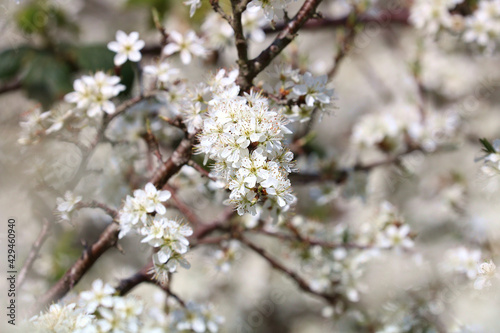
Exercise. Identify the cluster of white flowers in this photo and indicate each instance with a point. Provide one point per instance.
(390, 131)
(431, 15)
(468, 262)
(93, 94)
(245, 139)
(66, 205)
(163, 72)
(463, 261)
(144, 213)
(38, 124)
(480, 25)
(197, 318)
(102, 310)
(272, 8)
(308, 93)
(339, 269)
(61, 318)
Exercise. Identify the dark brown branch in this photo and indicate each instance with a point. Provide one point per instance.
(399, 17)
(106, 241)
(340, 175)
(35, 249)
(284, 38)
(143, 275)
(303, 284)
(217, 8)
(96, 204)
(190, 215)
(109, 237)
(10, 86)
(201, 170)
(308, 241)
(239, 36)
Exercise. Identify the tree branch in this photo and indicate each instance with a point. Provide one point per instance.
(35, 249)
(284, 38)
(239, 36)
(109, 237)
(303, 284)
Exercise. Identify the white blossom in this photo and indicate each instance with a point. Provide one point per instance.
(188, 46)
(126, 47)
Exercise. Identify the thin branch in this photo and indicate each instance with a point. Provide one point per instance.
(35, 249)
(10, 86)
(343, 49)
(307, 241)
(340, 175)
(385, 17)
(239, 36)
(284, 38)
(303, 284)
(201, 170)
(217, 8)
(190, 215)
(96, 204)
(143, 275)
(109, 237)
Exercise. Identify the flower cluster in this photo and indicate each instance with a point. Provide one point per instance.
(272, 8)
(393, 131)
(144, 213)
(299, 95)
(38, 124)
(196, 318)
(478, 24)
(468, 262)
(245, 139)
(102, 310)
(93, 94)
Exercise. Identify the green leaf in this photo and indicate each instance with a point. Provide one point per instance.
(46, 78)
(94, 58)
(11, 62)
(487, 146)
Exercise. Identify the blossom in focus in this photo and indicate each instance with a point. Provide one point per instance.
(126, 47)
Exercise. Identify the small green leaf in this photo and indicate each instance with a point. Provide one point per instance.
(46, 78)
(487, 146)
(94, 58)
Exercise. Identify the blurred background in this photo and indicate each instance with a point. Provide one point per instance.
(440, 193)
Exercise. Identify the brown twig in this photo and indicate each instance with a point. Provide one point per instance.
(239, 36)
(340, 175)
(201, 170)
(109, 237)
(217, 8)
(96, 204)
(303, 284)
(190, 215)
(399, 17)
(284, 38)
(35, 249)
(10, 86)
